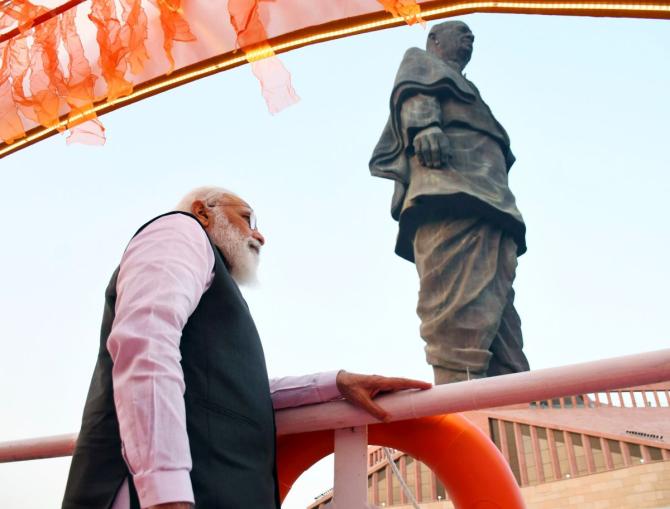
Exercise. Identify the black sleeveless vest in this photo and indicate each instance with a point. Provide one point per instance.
(229, 416)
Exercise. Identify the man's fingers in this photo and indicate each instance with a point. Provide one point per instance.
(361, 389)
(385, 383)
(395, 383)
(374, 409)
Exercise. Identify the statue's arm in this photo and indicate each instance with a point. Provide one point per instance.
(421, 122)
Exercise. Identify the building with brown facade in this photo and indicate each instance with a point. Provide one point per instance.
(604, 450)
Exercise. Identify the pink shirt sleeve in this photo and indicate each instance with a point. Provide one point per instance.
(163, 273)
(290, 391)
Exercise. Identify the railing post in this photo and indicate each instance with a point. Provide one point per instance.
(351, 469)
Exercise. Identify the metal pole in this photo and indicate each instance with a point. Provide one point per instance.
(351, 469)
(401, 481)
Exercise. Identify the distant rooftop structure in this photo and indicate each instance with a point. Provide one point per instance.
(605, 450)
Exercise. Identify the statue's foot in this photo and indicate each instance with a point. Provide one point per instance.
(450, 376)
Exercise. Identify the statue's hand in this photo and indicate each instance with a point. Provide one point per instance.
(432, 147)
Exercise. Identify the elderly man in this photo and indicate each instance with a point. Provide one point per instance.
(180, 410)
(458, 219)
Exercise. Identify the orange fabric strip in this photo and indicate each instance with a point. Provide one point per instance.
(80, 81)
(46, 78)
(91, 132)
(247, 23)
(175, 27)
(36, 87)
(38, 84)
(11, 126)
(134, 34)
(36, 20)
(274, 78)
(275, 83)
(407, 9)
(19, 65)
(112, 50)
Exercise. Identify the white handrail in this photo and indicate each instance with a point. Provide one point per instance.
(541, 384)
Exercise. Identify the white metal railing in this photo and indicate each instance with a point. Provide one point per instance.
(350, 424)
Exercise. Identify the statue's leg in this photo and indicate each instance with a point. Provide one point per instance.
(507, 347)
(462, 295)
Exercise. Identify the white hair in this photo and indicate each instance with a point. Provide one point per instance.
(206, 194)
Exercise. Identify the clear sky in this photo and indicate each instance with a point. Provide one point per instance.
(585, 102)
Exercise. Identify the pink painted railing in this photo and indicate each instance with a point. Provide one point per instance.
(37, 448)
(596, 376)
(587, 377)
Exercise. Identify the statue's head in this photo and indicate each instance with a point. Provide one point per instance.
(451, 40)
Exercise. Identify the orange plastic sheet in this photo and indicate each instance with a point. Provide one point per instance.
(60, 60)
(407, 9)
(48, 74)
(252, 38)
(63, 62)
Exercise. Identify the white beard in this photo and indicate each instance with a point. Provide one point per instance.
(237, 249)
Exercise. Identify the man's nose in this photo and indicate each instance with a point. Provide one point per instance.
(258, 236)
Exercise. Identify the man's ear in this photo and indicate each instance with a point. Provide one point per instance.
(199, 210)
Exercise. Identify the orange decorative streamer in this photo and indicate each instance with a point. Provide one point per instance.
(112, 50)
(38, 84)
(22, 12)
(36, 87)
(275, 83)
(274, 78)
(407, 9)
(79, 85)
(19, 65)
(247, 23)
(134, 34)
(80, 82)
(11, 127)
(175, 27)
(91, 132)
(46, 78)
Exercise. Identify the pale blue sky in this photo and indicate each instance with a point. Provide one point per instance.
(584, 101)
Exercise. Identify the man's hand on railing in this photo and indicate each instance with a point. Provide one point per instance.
(359, 390)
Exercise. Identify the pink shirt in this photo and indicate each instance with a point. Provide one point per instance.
(163, 273)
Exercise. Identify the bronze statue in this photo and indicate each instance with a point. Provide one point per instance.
(458, 220)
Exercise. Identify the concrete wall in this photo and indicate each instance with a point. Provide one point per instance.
(639, 487)
(642, 486)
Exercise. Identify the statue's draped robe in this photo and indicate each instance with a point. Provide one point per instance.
(459, 223)
(428, 92)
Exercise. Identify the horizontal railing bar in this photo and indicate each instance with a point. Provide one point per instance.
(37, 448)
(541, 384)
(583, 378)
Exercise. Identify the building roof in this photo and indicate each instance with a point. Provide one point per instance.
(547, 441)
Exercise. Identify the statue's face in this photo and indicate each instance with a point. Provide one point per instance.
(454, 41)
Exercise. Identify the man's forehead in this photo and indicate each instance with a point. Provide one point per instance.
(231, 199)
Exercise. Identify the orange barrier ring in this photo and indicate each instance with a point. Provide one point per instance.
(472, 469)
